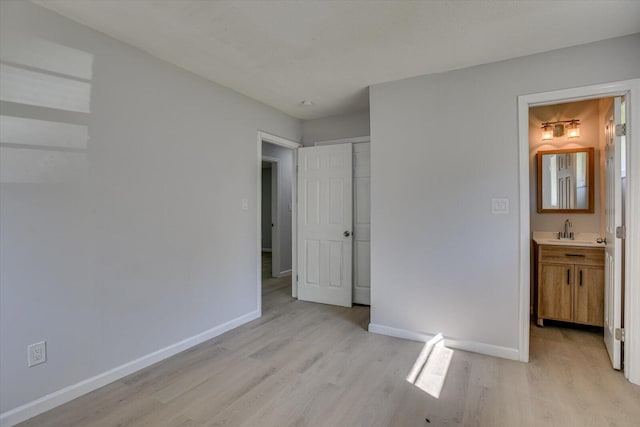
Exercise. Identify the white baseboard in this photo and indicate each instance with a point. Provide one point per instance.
(473, 346)
(284, 273)
(57, 398)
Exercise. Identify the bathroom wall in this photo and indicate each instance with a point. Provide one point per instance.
(588, 112)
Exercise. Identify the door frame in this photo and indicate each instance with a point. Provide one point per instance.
(631, 90)
(287, 143)
(275, 216)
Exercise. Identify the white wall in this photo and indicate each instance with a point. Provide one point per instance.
(285, 177)
(588, 113)
(335, 127)
(442, 146)
(117, 244)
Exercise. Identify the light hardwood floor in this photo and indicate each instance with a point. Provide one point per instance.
(305, 364)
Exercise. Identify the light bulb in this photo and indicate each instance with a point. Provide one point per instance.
(573, 129)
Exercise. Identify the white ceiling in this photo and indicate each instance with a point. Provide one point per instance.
(281, 52)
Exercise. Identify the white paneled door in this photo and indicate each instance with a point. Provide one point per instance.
(362, 223)
(613, 249)
(325, 218)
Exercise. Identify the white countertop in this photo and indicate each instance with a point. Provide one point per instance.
(580, 239)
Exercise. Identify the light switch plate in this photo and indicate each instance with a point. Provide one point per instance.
(245, 204)
(499, 206)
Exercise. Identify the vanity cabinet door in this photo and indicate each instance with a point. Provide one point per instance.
(556, 299)
(589, 285)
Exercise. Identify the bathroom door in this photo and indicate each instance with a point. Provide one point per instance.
(325, 218)
(613, 248)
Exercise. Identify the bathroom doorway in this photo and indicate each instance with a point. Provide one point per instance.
(575, 226)
(575, 182)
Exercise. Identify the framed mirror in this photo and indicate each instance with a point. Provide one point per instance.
(565, 181)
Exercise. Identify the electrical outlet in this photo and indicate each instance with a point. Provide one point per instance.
(37, 353)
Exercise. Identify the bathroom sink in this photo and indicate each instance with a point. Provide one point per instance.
(575, 242)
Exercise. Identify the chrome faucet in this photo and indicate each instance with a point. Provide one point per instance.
(567, 233)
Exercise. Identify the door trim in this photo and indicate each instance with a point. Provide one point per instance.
(355, 140)
(631, 90)
(287, 143)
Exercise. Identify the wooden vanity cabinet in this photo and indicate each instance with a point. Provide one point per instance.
(555, 292)
(570, 284)
(589, 299)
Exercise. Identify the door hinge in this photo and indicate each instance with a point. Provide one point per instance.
(621, 129)
(620, 334)
(621, 232)
(296, 278)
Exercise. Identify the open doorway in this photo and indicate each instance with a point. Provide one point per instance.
(276, 210)
(271, 259)
(577, 228)
(576, 192)
(276, 214)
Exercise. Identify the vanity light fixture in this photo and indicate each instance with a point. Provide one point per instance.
(573, 129)
(556, 129)
(547, 132)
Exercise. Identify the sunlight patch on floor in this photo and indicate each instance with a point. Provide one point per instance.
(430, 368)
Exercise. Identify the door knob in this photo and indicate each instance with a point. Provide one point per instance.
(347, 234)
